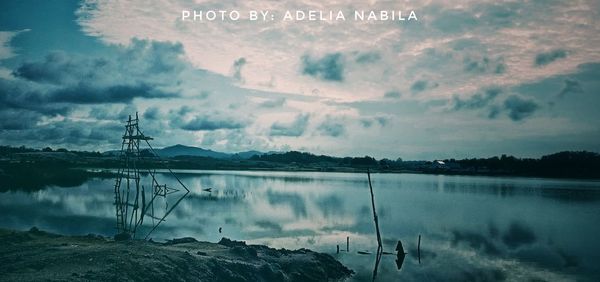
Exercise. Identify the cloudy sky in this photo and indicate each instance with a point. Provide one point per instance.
(468, 79)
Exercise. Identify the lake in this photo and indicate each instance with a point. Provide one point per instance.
(472, 228)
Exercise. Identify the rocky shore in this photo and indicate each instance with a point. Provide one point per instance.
(36, 255)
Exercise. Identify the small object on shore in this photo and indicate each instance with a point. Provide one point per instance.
(364, 252)
(220, 228)
(207, 190)
(338, 249)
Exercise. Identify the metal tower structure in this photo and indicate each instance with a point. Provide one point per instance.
(135, 201)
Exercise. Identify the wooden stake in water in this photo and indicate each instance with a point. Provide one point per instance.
(379, 245)
(347, 244)
(419, 249)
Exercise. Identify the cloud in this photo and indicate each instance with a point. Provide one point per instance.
(88, 94)
(210, 123)
(273, 103)
(269, 225)
(235, 140)
(152, 113)
(6, 50)
(237, 69)
(385, 57)
(11, 119)
(383, 121)
(207, 122)
(516, 107)
(546, 58)
(294, 129)
(145, 69)
(484, 65)
(493, 45)
(454, 21)
(331, 127)
(477, 101)
(392, 94)
(71, 132)
(329, 67)
(519, 108)
(154, 63)
(487, 17)
(571, 87)
(422, 85)
(23, 96)
(493, 112)
(368, 122)
(44, 93)
(367, 57)
(60, 68)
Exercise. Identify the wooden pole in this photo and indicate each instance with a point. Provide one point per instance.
(347, 244)
(419, 249)
(338, 249)
(379, 244)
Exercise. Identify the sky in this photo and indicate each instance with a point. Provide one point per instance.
(466, 79)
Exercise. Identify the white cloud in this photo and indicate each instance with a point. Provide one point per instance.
(6, 50)
(514, 33)
(456, 48)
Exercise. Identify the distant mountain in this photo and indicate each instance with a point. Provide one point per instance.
(181, 150)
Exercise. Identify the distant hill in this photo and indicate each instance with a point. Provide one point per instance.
(182, 150)
(567, 164)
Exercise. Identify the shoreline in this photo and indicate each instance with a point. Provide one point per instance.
(38, 255)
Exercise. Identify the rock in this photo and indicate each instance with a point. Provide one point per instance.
(122, 236)
(245, 251)
(231, 243)
(181, 241)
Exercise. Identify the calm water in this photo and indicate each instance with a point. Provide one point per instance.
(472, 228)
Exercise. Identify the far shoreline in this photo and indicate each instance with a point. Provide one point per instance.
(359, 171)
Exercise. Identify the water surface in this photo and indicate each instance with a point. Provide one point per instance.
(472, 228)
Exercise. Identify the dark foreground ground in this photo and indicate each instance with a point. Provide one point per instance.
(40, 256)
